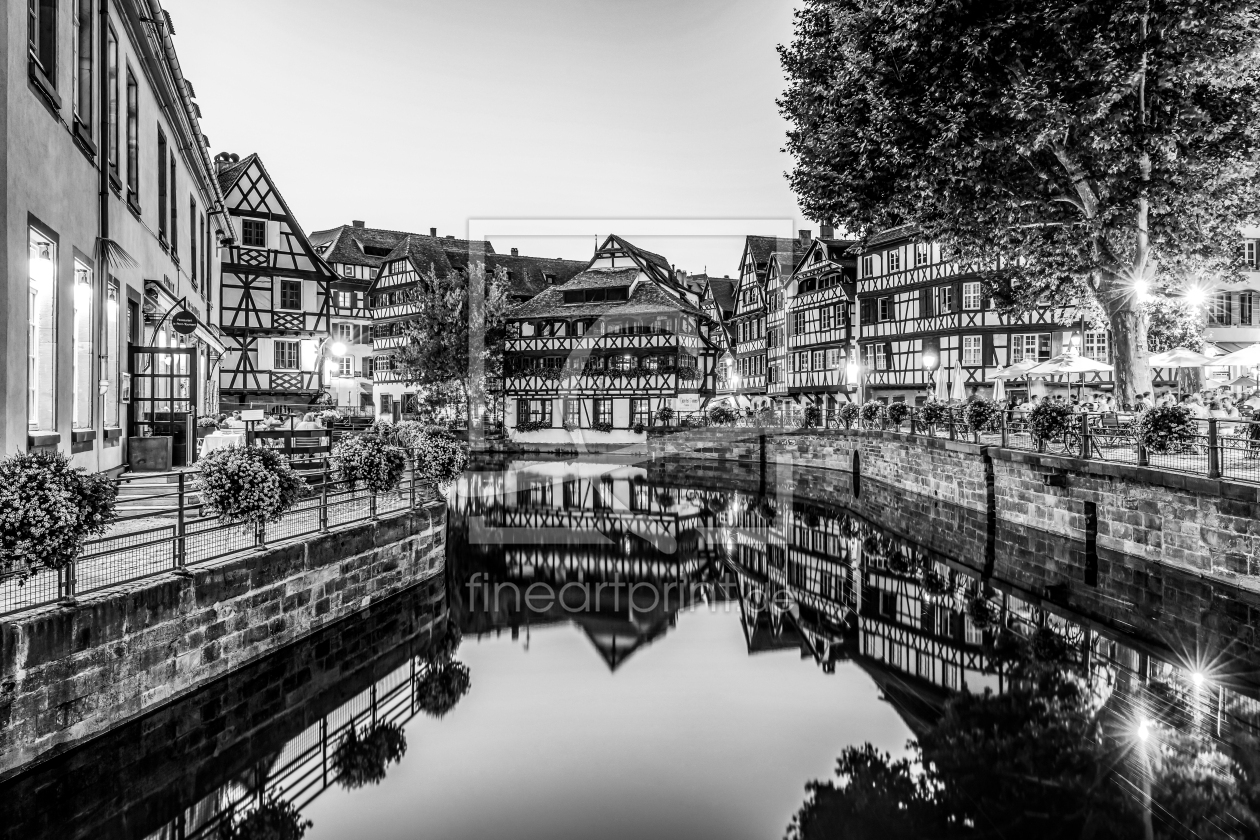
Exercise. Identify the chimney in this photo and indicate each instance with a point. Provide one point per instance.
(433, 232)
(223, 160)
(357, 223)
(515, 253)
(805, 236)
(826, 232)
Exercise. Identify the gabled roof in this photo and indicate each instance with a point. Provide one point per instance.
(349, 244)
(885, 237)
(648, 298)
(761, 249)
(230, 174)
(722, 290)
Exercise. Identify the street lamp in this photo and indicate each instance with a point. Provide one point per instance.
(930, 363)
(330, 349)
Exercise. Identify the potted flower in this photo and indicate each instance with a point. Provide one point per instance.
(848, 414)
(638, 428)
(721, 415)
(602, 426)
(442, 687)
(570, 426)
(934, 413)
(873, 412)
(442, 456)
(206, 425)
(330, 418)
(664, 415)
(897, 414)
(1166, 429)
(372, 460)
(982, 415)
(813, 415)
(248, 484)
(361, 760)
(48, 510)
(1049, 421)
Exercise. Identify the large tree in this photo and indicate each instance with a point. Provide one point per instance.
(1096, 148)
(455, 340)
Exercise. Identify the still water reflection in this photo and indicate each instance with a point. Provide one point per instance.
(647, 651)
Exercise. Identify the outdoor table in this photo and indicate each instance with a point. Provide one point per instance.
(221, 440)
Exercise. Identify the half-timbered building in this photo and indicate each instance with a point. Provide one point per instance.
(915, 304)
(757, 326)
(608, 349)
(821, 324)
(275, 295)
(719, 304)
(395, 301)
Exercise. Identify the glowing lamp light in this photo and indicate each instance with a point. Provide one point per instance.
(42, 270)
(929, 361)
(1198, 679)
(330, 368)
(112, 304)
(338, 348)
(1144, 729)
(82, 296)
(1195, 296)
(1142, 289)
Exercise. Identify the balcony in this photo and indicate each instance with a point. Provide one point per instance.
(269, 381)
(602, 381)
(614, 341)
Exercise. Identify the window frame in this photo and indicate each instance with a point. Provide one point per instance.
(133, 138)
(286, 284)
(972, 348)
(286, 344)
(972, 290)
(253, 224)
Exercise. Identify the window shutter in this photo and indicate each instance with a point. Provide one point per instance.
(865, 315)
(925, 302)
(989, 355)
(1048, 345)
(958, 296)
(889, 363)
(367, 366)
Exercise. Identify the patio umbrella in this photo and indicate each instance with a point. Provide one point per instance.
(999, 390)
(1016, 371)
(1180, 357)
(1244, 382)
(1066, 364)
(1246, 357)
(956, 389)
(941, 390)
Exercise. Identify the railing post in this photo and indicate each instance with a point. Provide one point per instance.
(1084, 453)
(181, 546)
(66, 582)
(1143, 457)
(371, 504)
(1005, 433)
(952, 433)
(1214, 452)
(914, 422)
(323, 498)
(412, 456)
(260, 535)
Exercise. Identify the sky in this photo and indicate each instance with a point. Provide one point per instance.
(415, 114)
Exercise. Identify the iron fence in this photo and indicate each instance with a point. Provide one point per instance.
(1219, 448)
(162, 526)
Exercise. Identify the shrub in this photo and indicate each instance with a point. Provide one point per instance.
(664, 415)
(982, 415)
(849, 413)
(1049, 420)
(601, 426)
(372, 460)
(722, 415)
(1166, 428)
(442, 687)
(360, 761)
(813, 415)
(275, 819)
(532, 425)
(638, 428)
(934, 413)
(688, 374)
(441, 456)
(872, 411)
(898, 412)
(248, 484)
(48, 510)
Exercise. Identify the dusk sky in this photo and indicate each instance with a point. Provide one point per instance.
(420, 114)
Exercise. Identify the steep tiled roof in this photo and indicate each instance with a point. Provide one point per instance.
(723, 290)
(601, 278)
(762, 248)
(229, 175)
(884, 237)
(527, 276)
(646, 299)
(348, 244)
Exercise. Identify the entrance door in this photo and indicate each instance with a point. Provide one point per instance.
(164, 398)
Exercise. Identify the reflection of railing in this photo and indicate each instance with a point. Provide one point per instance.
(304, 770)
(161, 527)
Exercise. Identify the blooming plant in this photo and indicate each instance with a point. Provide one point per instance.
(1049, 420)
(601, 426)
(442, 687)
(48, 510)
(934, 413)
(813, 415)
(442, 456)
(330, 417)
(370, 459)
(982, 415)
(664, 415)
(447, 645)
(207, 422)
(248, 484)
(275, 819)
(873, 411)
(849, 413)
(638, 428)
(1166, 428)
(570, 426)
(361, 760)
(898, 412)
(532, 425)
(983, 612)
(721, 415)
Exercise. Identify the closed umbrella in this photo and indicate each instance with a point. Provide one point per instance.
(956, 389)
(941, 389)
(999, 390)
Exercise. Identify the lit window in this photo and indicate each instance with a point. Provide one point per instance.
(944, 299)
(1218, 309)
(881, 357)
(1249, 252)
(868, 266)
(1096, 345)
(971, 355)
(112, 354)
(971, 295)
(345, 333)
(885, 309)
(41, 334)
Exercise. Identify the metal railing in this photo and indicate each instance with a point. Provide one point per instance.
(1220, 448)
(161, 526)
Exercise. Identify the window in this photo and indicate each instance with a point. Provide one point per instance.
(833, 357)
(1095, 346)
(82, 390)
(41, 334)
(881, 357)
(640, 411)
(573, 411)
(1246, 300)
(346, 366)
(819, 359)
(42, 36)
(824, 318)
(868, 266)
(885, 309)
(161, 147)
(798, 323)
(253, 233)
(291, 294)
(81, 42)
(1218, 309)
(287, 355)
(133, 139)
(192, 239)
(174, 213)
(348, 270)
(922, 252)
(1249, 252)
(345, 333)
(971, 352)
(894, 261)
(802, 360)
(603, 410)
(944, 299)
(111, 105)
(345, 300)
(112, 355)
(971, 294)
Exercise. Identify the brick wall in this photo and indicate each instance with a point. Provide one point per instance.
(68, 673)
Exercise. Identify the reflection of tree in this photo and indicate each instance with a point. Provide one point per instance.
(363, 759)
(275, 819)
(442, 687)
(1042, 760)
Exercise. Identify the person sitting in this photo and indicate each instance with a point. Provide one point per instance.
(1194, 403)
(309, 422)
(1226, 410)
(234, 422)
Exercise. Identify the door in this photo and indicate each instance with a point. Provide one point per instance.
(164, 398)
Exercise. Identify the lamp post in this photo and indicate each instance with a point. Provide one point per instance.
(930, 363)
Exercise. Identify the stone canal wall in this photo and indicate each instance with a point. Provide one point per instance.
(1205, 525)
(71, 672)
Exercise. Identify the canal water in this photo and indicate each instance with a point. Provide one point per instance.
(668, 649)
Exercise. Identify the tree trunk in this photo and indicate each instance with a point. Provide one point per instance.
(1128, 336)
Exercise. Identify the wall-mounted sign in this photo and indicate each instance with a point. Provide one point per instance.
(184, 323)
(688, 402)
